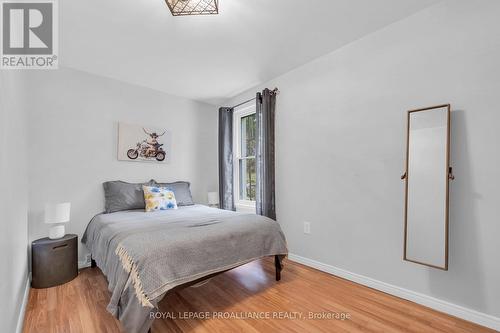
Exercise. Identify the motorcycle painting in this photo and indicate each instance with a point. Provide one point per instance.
(138, 143)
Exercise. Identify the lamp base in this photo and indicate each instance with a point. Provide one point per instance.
(57, 232)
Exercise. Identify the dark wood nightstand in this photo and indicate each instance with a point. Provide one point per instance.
(54, 261)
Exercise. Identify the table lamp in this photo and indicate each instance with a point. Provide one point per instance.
(213, 199)
(57, 215)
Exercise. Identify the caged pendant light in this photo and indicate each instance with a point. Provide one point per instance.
(193, 7)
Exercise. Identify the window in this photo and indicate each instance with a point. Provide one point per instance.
(245, 172)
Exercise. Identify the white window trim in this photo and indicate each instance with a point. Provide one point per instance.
(238, 113)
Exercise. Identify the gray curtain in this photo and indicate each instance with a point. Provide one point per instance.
(265, 196)
(226, 187)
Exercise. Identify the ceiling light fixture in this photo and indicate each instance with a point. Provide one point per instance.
(193, 7)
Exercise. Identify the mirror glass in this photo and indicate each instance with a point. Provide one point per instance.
(427, 187)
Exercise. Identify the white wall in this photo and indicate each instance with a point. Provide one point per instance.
(73, 119)
(340, 148)
(13, 202)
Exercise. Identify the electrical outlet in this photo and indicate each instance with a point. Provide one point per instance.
(307, 227)
(87, 257)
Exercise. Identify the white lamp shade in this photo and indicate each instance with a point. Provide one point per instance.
(213, 198)
(58, 213)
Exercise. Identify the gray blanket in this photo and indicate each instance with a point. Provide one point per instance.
(144, 255)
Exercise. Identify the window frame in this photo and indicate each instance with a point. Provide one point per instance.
(238, 114)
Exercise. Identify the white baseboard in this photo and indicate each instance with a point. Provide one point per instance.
(431, 302)
(22, 311)
(83, 264)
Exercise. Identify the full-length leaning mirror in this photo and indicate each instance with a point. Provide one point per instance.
(427, 178)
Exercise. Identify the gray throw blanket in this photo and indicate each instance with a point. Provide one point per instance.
(144, 255)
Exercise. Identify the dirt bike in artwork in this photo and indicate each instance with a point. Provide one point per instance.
(148, 149)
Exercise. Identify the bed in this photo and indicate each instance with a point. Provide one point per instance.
(146, 255)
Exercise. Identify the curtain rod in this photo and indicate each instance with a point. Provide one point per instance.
(245, 102)
(275, 90)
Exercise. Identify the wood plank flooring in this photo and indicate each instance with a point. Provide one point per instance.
(248, 291)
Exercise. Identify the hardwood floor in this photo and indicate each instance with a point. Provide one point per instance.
(250, 290)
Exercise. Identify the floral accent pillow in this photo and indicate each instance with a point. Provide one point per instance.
(158, 198)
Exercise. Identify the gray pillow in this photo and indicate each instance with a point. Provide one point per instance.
(181, 191)
(121, 195)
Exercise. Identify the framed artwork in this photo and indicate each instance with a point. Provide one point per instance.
(143, 143)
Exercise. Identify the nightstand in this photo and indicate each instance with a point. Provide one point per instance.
(54, 261)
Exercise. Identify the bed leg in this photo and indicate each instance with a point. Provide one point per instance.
(277, 265)
(92, 263)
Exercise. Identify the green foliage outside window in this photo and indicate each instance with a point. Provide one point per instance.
(248, 175)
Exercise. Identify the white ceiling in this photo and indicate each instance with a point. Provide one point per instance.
(213, 58)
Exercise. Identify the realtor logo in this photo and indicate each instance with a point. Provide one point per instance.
(29, 34)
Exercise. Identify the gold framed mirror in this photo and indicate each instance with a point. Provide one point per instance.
(427, 177)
